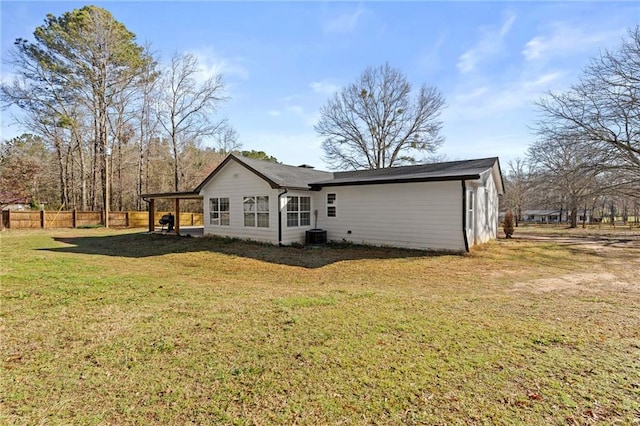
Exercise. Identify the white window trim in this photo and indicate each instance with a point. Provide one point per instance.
(297, 212)
(470, 212)
(255, 212)
(220, 212)
(333, 204)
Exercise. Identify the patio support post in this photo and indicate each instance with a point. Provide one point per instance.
(177, 208)
(152, 214)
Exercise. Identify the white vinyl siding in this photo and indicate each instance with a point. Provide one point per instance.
(424, 215)
(486, 212)
(236, 182)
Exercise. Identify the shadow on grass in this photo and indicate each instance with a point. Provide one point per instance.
(140, 245)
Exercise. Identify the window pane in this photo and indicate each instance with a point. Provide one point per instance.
(331, 198)
(249, 204)
(262, 204)
(305, 219)
(292, 219)
(305, 204)
(249, 219)
(224, 204)
(292, 204)
(224, 219)
(331, 211)
(213, 219)
(213, 204)
(263, 220)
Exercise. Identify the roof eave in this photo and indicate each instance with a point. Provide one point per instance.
(182, 195)
(320, 185)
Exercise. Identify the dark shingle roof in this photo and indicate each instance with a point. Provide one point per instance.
(452, 170)
(284, 176)
(277, 175)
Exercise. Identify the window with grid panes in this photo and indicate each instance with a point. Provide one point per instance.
(331, 205)
(256, 211)
(298, 211)
(219, 211)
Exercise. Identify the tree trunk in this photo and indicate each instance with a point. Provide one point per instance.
(176, 178)
(61, 170)
(83, 175)
(574, 217)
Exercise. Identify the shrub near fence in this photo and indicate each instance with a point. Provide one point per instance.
(75, 219)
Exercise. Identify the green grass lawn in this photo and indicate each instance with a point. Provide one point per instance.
(118, 327)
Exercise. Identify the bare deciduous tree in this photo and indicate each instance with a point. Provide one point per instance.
(376, 122)
(188, 107)
(226, 139)
(518, 187)
(567, 170)
(602, 109)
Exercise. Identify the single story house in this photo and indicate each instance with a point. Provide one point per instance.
(542, 216)
(442, 206)
(13, 201)
(555, 215)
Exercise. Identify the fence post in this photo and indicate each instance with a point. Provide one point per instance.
(126, 219)
(42, 219)
(74, 218)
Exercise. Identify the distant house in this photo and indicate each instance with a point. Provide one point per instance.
(555, 215)
(13, 201)
(442, 206)
(542, 216)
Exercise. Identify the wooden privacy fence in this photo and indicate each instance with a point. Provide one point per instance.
(16, 219)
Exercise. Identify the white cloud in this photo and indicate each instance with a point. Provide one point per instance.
(344, 23)
(565, 37)
(211, 64)
(543, 81)
(485, 103)
(274, 113)
(490, 44)
(309, 118)
(324, 87)
(473, 94)
(430, 60)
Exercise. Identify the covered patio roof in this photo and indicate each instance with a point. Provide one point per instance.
(172, 195)
(176, 197)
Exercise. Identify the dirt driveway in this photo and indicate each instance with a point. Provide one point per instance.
(615, 266)
(594, 238)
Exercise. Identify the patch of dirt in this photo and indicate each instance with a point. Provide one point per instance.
(618, 251)
(598, 242)
(577, 281)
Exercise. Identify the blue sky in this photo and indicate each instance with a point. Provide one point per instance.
(281, 61)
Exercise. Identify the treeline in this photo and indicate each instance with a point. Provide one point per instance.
(587, 152)
(111, 123)
(29, 170)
